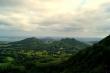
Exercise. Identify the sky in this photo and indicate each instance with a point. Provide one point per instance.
(64, 18)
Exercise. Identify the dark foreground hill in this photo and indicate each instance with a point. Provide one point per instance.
(95, 59)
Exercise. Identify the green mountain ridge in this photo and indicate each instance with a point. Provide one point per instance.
(33, 55)
(94, 59)
(66, 44)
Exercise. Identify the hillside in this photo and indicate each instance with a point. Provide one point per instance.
(94, 59)
(28, 43)
(67, 44)
(33, 55)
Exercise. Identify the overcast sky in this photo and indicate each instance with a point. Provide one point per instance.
(67, 18)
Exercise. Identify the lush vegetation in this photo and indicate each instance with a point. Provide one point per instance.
(68, 45)
(33, 55)
(95, 59)
(14, 59)
(61, 56)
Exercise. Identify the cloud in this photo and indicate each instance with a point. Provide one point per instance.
(6, 3)
(55, 17)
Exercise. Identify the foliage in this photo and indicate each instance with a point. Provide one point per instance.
(33, 55)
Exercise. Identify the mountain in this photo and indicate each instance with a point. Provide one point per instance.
(76, 43)
(95, 59)
(33, 55)
(91, 42)
(28, 43)
(67, 45)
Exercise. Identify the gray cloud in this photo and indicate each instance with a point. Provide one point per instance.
(38, 18)
(11, 3)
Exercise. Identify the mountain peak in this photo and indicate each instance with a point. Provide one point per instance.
(94, 59)
(31, 38)
(28, 41)
(105, 41)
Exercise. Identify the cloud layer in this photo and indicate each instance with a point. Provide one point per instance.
(70, 18)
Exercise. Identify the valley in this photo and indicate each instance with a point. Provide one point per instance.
(34, 53)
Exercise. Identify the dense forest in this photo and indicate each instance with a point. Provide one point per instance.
(67, 55)
(33, 55)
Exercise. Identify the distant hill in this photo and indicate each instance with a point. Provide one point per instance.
(91, 42)
(28, 41)
(67, 44)
(74, 42)
(92, 59)
(95, 59)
